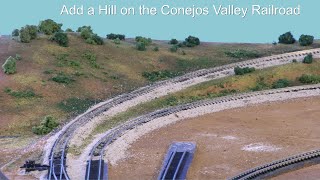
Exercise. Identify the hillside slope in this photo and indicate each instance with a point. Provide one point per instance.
(93, 73)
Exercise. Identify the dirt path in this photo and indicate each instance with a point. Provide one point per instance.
(229, 142)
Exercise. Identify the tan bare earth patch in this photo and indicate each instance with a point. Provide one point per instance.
(229, 142)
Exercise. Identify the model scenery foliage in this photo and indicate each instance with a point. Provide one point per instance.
(241, 71)
(309, 79)
(46, 126)
(173, 41)
(306, 40)
(287, 38)
(87, 34)
(29, 93)
(281, 83)
(49, 27)
(68, 30)
(308, 59)
(61, 38)
(28, 33)
(9, 66)
(241, 53)
(113, 36)
(15, 32)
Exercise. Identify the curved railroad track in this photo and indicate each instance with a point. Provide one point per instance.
(57, 154)
(280, 166)
(97, 152)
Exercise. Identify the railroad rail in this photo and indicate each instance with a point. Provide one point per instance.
(97, 152)
(281, 166)
(58, 149)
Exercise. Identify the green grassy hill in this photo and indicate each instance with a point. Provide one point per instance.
(65, 81)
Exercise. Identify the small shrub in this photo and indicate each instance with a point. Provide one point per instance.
(240, 53)
(20, 94)
(242, 71)
(281, 83)
(80, 29)
(183, 52)
(294, 61)
(24, 35)
(274, 43)
(173, 48)
(68, 30)
(90, 41)
(144, 40)
(97, 39)
(308, 59)
(181, 44)
(116, 36)
(49, 27)
(62, 78)
(89, 36)
(9, 66)
(191, 41)
(61, 38)
(156, 48)
(33, 31)
(18, 57)
(309, 79)
(286, 38)
(74, 64)
(140, 46)
(171, 101)
(7, 90)
(116, 41)
(86, 33)
(92, 58)
(306, 40)
(173, 41)
(15, 32)
(46, 126)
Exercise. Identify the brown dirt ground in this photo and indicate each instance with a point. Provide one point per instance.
(292, 126)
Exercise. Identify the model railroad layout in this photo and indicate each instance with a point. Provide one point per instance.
(57, 157)
(97, 152)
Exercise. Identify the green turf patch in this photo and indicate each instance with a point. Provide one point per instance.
(241, 53)
(29, 93)
(62, 78)
(75, 105)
